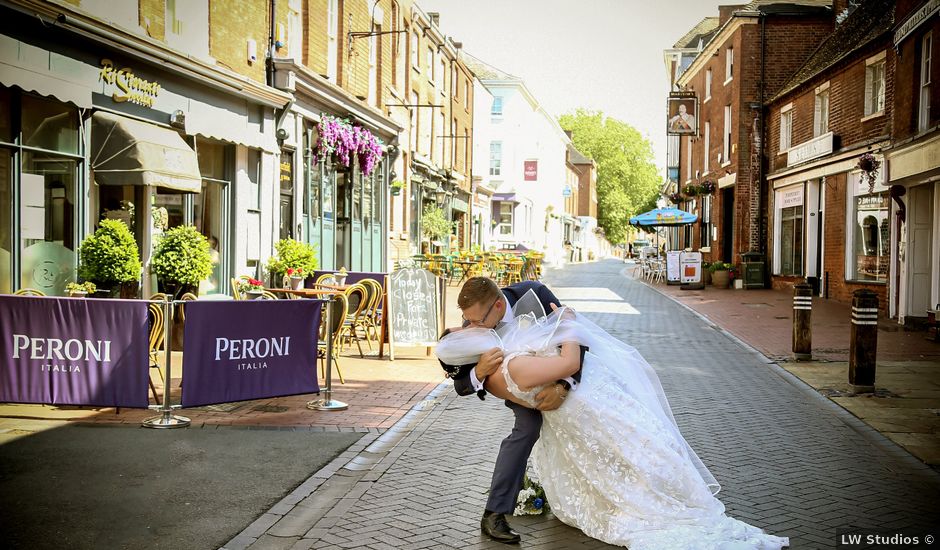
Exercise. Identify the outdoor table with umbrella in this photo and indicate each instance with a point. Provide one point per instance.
(662, 217)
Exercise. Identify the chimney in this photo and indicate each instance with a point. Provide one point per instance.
(435, 18)
(724, 12)
(458, 45)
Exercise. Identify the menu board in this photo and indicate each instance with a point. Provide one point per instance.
(414, 308)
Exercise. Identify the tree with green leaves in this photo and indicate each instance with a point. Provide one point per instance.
(627, 178)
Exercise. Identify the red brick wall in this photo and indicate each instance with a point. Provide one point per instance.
(907, 81)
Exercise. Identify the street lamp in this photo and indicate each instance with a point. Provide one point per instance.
(440, 194)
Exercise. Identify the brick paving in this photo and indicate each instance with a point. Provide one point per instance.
(789, 460)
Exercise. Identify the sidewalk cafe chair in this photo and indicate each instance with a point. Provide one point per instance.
(356, 299)
(370, 317)
(340, 307)
(155, 341)
(514, 272)
(326, 279)
(29, 292)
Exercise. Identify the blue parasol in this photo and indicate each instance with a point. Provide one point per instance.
(664, 216)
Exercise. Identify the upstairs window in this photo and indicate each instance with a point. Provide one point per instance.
(923, 115)
(786, 127)
(708, 84)
(821, 111)
(497, 108)
(729, 64)
(875, 85)
(496, 158)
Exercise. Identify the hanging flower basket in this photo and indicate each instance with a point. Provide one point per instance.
(708, 187)
(691, 191)
(675, 198)
(869, 166)
(340, 140)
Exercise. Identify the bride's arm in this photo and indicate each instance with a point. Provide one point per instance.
(496, 385)
(530, 371)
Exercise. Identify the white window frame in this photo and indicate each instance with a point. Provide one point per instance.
(496, 158)
(332, 43)
(688, 157)
(442, 70)
(729, 64)
(430, 63)
(372, 97)
(726, 137)
(499, 218)
(493, 112)
(707, 146)
(874, 65)
(708, 85)
(415, 48)
(821, 110)
(414, 122)
(786, 127)
(295, 32)
(926, 65)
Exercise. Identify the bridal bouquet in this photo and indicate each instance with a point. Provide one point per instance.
(531, 500)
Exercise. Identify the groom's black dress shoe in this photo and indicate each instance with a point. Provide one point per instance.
(495, 526)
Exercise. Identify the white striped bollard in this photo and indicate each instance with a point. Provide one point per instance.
(802, 322)
(863, 346)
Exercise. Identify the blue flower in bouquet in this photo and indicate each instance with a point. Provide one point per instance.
(538, 503)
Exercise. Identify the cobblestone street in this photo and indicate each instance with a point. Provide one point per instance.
(788, 460)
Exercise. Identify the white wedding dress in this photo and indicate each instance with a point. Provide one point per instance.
(611, 458)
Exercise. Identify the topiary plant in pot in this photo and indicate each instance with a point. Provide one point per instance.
(293, 255)
(181, 260)
(109, 259)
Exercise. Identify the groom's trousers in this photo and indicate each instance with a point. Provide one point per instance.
(512, 459)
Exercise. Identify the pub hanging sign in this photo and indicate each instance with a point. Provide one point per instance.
(128, 86)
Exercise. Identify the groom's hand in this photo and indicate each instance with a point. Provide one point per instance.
(488, 363)
(569, 314)
(551, 397)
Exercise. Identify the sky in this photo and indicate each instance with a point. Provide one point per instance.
(604, 55)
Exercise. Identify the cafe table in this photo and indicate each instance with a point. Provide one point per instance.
(306, 292)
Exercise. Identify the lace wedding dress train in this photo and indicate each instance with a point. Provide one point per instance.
(611, 459)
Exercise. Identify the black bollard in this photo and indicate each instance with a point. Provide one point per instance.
(802, 322)
(864, 341)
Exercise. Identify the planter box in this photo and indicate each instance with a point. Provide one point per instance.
(721, 278)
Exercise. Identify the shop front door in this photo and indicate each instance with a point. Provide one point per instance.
(727, 224)
(921, 235)
(327, 223)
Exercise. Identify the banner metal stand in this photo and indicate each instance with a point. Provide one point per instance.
(327, 403)
(167, 420)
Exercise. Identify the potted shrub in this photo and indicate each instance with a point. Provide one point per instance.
(109, 259)
(721, 273)
(181, 260)
(80, 290)
(293, 255)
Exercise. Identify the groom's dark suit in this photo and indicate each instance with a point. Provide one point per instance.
(514, 450)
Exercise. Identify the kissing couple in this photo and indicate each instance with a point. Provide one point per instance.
(593, 415)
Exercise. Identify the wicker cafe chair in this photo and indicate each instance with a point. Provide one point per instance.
(339, 308)
(155, 342)
(326, 279)
(514, 272)
(357, 298)
(371, 315)
(29, 292)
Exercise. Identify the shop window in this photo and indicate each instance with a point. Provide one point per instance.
(49, 125)
(6, 122)
(47, 222)
(791, 240)
(923, 107)
(211, 209)
(706, 226)
(870, 237)
(505, 218)
(6, 223)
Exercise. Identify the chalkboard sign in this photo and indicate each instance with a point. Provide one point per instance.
(414, 307)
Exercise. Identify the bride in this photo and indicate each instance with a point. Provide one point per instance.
(611, 458)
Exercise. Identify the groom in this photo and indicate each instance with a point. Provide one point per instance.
(485, 305)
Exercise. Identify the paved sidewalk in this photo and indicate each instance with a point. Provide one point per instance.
(789, 460)
(907, 397)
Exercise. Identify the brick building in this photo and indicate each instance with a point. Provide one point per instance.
(738, 64)
(826, 224)
(913, 161)
(87, 87)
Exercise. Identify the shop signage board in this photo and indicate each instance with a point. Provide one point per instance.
(691, 267)
(127, 86)
(249, 349)
(531, 170)
(682, 114)
(414, 308)
(74, 351)
(814, 148)
(673, 271)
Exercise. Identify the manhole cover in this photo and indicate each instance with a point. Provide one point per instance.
(221, 407)
(270, 408)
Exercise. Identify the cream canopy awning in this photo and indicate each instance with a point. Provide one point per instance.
(129, 152)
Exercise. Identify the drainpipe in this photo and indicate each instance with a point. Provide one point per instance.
(762, 234)
(269, 72)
